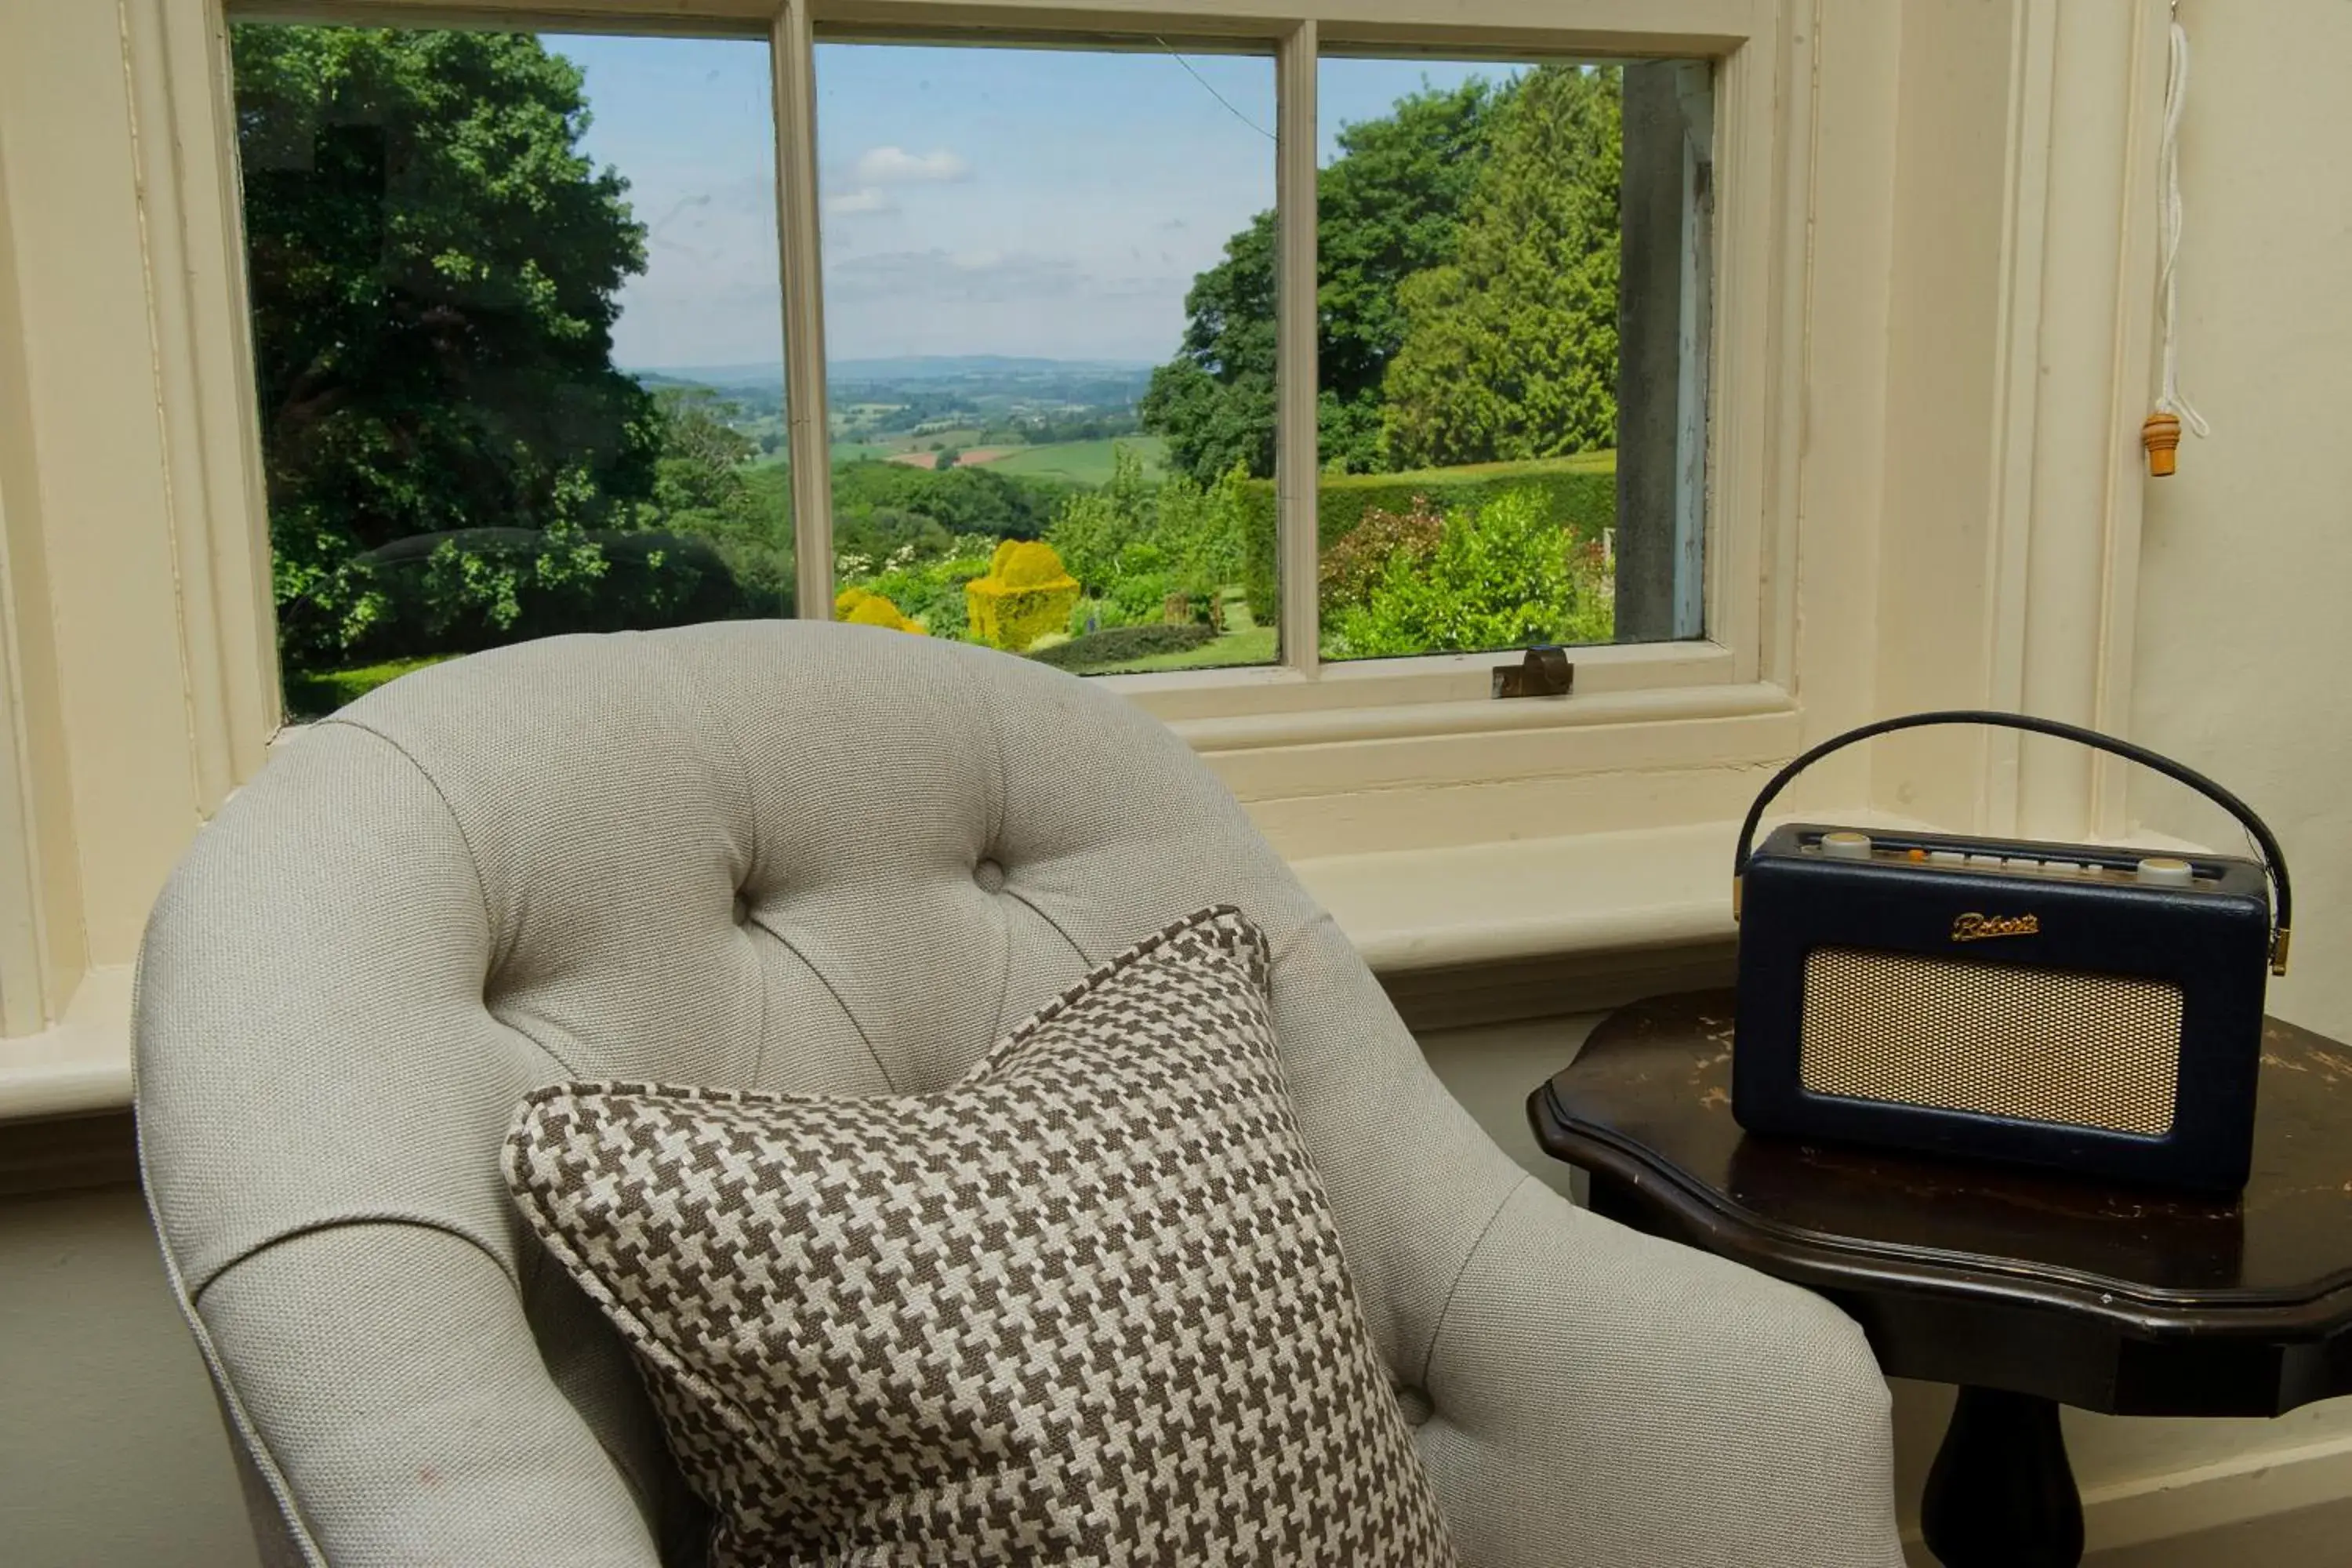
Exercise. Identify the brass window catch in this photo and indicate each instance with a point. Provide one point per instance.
(1543, 672)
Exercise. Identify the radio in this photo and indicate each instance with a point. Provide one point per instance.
(2092, 1009)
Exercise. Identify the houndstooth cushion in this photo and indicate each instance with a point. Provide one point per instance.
(1087, 1305)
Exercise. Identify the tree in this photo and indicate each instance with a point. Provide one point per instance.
(1388, 207)
(1510, 348)
(702, 490)
(434, 269)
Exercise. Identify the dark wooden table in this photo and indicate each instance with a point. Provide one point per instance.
(2028, 1291)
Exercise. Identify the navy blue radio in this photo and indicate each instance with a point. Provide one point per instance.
(2078, 1006)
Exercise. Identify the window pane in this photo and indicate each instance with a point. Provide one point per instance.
(1514, 283)
(1036, 262)
(517, 337)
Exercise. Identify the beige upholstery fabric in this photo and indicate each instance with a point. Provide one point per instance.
(825, 859)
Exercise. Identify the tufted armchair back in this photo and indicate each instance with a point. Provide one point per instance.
(795, 857)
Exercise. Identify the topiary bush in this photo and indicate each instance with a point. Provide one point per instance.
(1121, 644)
(1025, 595)
(1578, 494)
(860, 608)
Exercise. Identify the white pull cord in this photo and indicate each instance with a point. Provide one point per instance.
(2176, 93)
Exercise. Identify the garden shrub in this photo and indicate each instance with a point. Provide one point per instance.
(1025, 594)
(861, 608)
(1579, 494)
(1503, 576)
(467, 589)
(1121, 644)
(1354, 565)
(929, 590)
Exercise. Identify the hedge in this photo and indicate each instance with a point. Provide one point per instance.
(648, 579)
(1121, 643)
(1582, 491)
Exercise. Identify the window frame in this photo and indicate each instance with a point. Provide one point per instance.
(1451, 691)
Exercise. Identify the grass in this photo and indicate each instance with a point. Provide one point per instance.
(309, 693)
(1245, 642)
(1084, 462)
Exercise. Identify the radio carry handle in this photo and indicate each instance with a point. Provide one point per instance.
(2274, 858)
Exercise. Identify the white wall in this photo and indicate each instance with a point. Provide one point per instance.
(2244, 663)
(111, 1455)
(2244, 660)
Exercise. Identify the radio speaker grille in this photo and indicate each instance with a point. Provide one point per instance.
(2034, 1045)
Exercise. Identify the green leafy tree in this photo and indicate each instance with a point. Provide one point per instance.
(1388, 206)
(1509, 348)
(1099, 532)
(703, 490)
(434, 268)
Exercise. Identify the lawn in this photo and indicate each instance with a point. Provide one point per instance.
(313, 694)
(1084, 462)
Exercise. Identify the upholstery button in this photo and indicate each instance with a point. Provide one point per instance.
(742, 908)
(990, 876)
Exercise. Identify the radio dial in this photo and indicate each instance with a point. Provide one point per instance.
(2164, 871)
(1847, 846)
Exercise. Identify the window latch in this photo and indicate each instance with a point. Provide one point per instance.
(1542, 672)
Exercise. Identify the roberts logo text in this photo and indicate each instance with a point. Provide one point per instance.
(1979, 928)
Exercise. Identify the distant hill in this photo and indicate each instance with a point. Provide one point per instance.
(905, 368)
(948, 367)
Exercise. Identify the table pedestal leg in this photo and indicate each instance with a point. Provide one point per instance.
(2001, 1494)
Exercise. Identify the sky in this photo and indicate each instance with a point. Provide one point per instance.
(1048, 203)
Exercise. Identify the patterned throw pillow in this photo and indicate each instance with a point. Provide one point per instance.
(1085, 1306)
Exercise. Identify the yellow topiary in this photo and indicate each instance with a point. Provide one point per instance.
(1027, 594)
(860, 608)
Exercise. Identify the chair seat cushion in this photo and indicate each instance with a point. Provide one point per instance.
(1085, 1305)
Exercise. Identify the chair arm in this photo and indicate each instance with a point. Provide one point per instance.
(383, 1381)
(1603, 1396)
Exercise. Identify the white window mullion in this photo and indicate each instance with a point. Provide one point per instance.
(1296, 450)
(793, 47)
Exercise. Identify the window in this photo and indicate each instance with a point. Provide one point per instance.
(1845, 265)
(1511, 414)
(521, 359)
(1020, 247)
(517, 330)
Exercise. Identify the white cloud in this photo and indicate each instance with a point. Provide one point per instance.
(864, 199)
(896, 165)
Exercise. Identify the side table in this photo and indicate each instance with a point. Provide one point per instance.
(2028, 1291)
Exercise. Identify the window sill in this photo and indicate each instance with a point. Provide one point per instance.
(81, 1064)
(1406, 910)
(1483, 903)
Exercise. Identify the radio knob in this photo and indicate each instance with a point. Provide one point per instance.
(2166, 871)
(1847, 846)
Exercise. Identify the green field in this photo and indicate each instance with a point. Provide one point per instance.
(1084, 462)
(938, 440)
